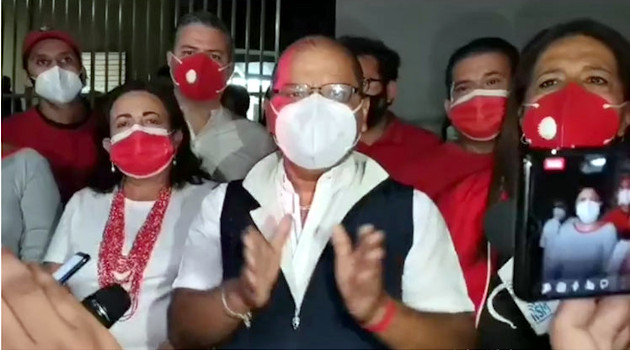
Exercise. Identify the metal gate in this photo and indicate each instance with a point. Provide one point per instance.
(128, 39)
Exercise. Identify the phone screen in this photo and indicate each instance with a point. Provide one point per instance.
(574, 223)
(70, 267)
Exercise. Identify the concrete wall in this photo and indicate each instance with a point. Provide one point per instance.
(426, 32)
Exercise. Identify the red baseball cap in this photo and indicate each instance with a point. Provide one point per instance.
(42, 34)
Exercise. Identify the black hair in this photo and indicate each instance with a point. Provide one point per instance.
(507, 150)
(236, 99)
(478, 47)
(209, 20)
(388, 59)
(187, 167)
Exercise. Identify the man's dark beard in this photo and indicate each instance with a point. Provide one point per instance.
(378, 107)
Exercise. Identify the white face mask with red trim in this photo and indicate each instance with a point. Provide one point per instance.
(142, 152)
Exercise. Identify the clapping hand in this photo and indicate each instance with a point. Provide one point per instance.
(262, 263)
(591, 324)
(359, 271)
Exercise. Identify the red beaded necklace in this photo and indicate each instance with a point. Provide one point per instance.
(128, 271)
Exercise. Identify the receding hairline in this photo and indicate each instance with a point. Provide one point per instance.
(319, 41)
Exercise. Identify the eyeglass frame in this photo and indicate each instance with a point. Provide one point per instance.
(311, 89)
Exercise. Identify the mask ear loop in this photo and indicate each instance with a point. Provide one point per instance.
(221, 69)
(608, 105)
(170, 69)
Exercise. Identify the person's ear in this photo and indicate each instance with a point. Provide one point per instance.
(270, 117)
(177, 138)
(107, 145)
(392, 91)
(363, 117)
(447, 107)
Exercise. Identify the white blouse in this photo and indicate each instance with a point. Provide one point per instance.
(81, 230)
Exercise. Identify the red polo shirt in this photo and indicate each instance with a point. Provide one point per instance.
(621, 220)
(464, 208)
(399, 145)
(70, 149)
(446, 166)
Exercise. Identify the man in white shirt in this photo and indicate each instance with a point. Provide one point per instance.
(391, 280)
(227, 144)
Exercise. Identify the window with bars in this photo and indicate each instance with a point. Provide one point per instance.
(109, 71)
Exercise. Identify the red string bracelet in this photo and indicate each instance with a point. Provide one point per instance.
(390, 311)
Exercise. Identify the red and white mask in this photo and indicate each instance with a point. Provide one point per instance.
(479, 114)
(142, 152)
(198, 77)
(570, 118)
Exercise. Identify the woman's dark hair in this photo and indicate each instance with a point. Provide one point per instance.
(187, 167)
(508, 150)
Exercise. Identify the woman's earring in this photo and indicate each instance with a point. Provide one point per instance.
(113, 168)
(174, 161)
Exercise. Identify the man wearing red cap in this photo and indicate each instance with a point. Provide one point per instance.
(60, 126)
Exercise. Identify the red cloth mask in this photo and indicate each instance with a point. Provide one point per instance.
(198, 77)
(142, 152)
(570, 118)
(479, 114)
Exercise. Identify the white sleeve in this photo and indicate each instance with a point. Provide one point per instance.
(201, 267)
(432, 276)
(60, 248)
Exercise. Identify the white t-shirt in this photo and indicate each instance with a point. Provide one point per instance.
(81, 230)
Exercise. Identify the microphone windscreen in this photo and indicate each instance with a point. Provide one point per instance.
(108, 304)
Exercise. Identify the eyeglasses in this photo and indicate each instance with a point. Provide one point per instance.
(336, 92)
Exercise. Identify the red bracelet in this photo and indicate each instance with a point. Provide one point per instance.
(390, 311)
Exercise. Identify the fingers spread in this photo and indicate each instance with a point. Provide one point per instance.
(282, 233)
(341, 242)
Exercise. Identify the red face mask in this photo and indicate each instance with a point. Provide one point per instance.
(570, 118)
(198, 77)
(479, 114)
(141, 152)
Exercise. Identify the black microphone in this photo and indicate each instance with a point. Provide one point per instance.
(108, 304)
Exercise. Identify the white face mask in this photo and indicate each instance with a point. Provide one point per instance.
(588, 211)
(316, 132)
(58, 85)
(559, 213)
(623, 197)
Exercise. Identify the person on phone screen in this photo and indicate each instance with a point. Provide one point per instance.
(620, 216)
(552, 226)
(584, 245)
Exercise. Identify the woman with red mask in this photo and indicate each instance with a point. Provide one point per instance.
(134, 217)
(579, 71)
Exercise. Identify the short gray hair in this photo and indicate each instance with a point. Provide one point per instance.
(209, 20)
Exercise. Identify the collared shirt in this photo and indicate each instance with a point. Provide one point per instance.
(432, 279)
(399, 145)
(230, 146)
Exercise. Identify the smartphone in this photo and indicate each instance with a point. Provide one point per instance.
(573, 223)
(70, 267)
